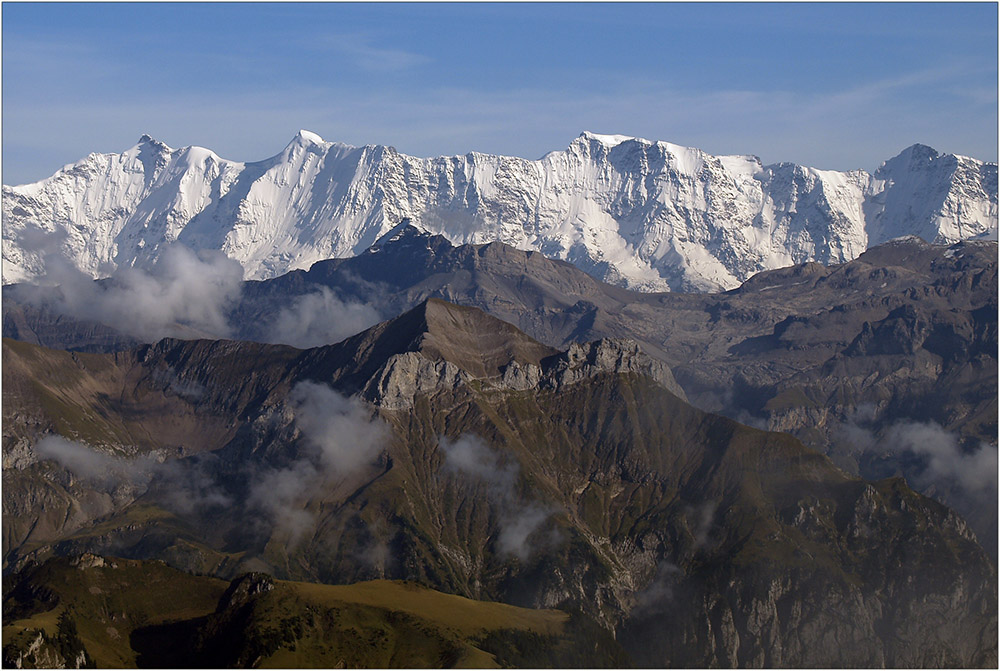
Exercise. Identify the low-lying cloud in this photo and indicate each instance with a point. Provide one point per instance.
(319, 318)
(518, 523)
(99, 468)
(974, 471)
(184, 486)
(338, 439)
(660, 591)
(338, 429)
(701, 519)
(470, 456)
(184, 294)
(518, 520)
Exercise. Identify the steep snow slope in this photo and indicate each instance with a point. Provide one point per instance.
(646, 215)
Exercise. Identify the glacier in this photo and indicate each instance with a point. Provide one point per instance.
(650, 216)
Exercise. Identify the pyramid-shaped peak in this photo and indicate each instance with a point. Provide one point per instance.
(439, 313)
(919, 152)
(916, 157)
(915, 153)
(404, 230)
(476, 342)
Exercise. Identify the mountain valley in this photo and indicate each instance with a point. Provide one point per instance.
(790, 350)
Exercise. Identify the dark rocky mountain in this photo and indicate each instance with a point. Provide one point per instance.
(840, 356)
(861, 361)
(45, 325)
(487, 464)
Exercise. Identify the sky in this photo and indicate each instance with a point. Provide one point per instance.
(834, 86)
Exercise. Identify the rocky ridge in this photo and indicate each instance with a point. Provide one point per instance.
(737, 546)
(838, 356)
(436, 361)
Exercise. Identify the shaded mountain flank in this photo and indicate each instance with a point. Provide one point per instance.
(887, 363)
(477, 461)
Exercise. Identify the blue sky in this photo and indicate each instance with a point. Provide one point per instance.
(836, 86)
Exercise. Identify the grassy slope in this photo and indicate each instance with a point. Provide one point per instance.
(383, 624)
(109, 602)
(466, 616)
(130, 613)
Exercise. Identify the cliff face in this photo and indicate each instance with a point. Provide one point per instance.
(507, 471)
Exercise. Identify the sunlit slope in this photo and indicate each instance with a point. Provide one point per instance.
(114, 612)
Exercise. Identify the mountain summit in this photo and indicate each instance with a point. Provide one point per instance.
(640, 214)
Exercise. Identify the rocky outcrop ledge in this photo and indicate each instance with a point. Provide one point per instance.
(404, 376)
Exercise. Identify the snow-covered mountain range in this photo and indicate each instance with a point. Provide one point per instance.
(646, 215)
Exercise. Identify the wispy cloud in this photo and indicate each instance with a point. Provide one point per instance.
(520, 521)
(338, 439)
(185, 486)
(945, 462)
(319, 318)
(975, 470)
(365, 52)
(184, 292)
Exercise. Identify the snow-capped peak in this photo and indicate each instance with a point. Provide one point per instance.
(308, 137)
(645, 215)
(610, 140)
(149, 140)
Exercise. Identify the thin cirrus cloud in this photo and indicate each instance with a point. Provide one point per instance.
(819, 129)
(363, 52)
(845, 92)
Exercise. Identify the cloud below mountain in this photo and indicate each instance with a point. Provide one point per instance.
(185, 486)
(974, 471)
(338, 439)
(184, 293)
(518, 520)
(319, 318)
(103, 469)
